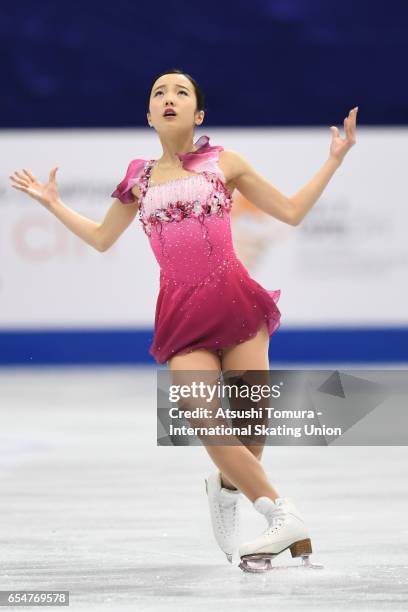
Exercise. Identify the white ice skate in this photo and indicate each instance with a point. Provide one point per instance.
(224, 512)
(286, 529)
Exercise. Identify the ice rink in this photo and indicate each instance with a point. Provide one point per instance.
(91, 505)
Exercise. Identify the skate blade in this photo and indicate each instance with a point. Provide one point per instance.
(259, 564)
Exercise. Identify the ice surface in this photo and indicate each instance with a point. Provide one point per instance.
(90, 504)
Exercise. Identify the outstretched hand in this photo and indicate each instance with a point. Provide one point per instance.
(340, 146)
(45, 193)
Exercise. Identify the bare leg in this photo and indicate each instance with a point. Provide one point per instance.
(239, 465)
(257, 452)
(249, 355)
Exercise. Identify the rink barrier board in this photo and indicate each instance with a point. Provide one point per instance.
(131, 346)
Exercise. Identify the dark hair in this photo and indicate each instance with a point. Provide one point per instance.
(198, 90)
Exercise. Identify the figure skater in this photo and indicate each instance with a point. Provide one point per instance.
(210, 314)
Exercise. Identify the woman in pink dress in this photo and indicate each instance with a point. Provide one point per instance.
(211, 315)
(207, 299)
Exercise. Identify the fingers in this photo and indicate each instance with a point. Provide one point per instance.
(29, 174)
(347, 128)
(350, 124)
(20, 188)
(352, 116)
(24, 179)
(53, 173)
(25, 190)
(345, 125)
(21, 176)
(19, 179)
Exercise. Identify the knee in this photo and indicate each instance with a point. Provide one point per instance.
(256, 451)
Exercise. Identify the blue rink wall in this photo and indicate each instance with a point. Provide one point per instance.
(131, 346)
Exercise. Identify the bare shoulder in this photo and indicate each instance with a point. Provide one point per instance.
(232, 164)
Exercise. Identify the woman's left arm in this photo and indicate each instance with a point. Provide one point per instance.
(265, 196)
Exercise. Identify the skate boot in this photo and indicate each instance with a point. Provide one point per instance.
(286, 529)
(224, 512)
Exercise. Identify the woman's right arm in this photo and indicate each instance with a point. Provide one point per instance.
(100, 236)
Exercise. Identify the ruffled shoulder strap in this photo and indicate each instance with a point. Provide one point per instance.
(205, 158)
(133, 175)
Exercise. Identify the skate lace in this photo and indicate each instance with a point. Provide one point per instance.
(276, 519)
(227, 516)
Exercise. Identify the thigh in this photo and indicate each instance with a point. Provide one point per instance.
(198, 367)
(201, 367)
(249, 355)
(201, 359)
(236, 361)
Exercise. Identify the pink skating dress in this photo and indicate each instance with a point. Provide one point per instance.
(207, 298)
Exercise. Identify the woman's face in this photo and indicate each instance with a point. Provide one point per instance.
(175, 92)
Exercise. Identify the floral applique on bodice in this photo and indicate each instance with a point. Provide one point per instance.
(193, 196)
